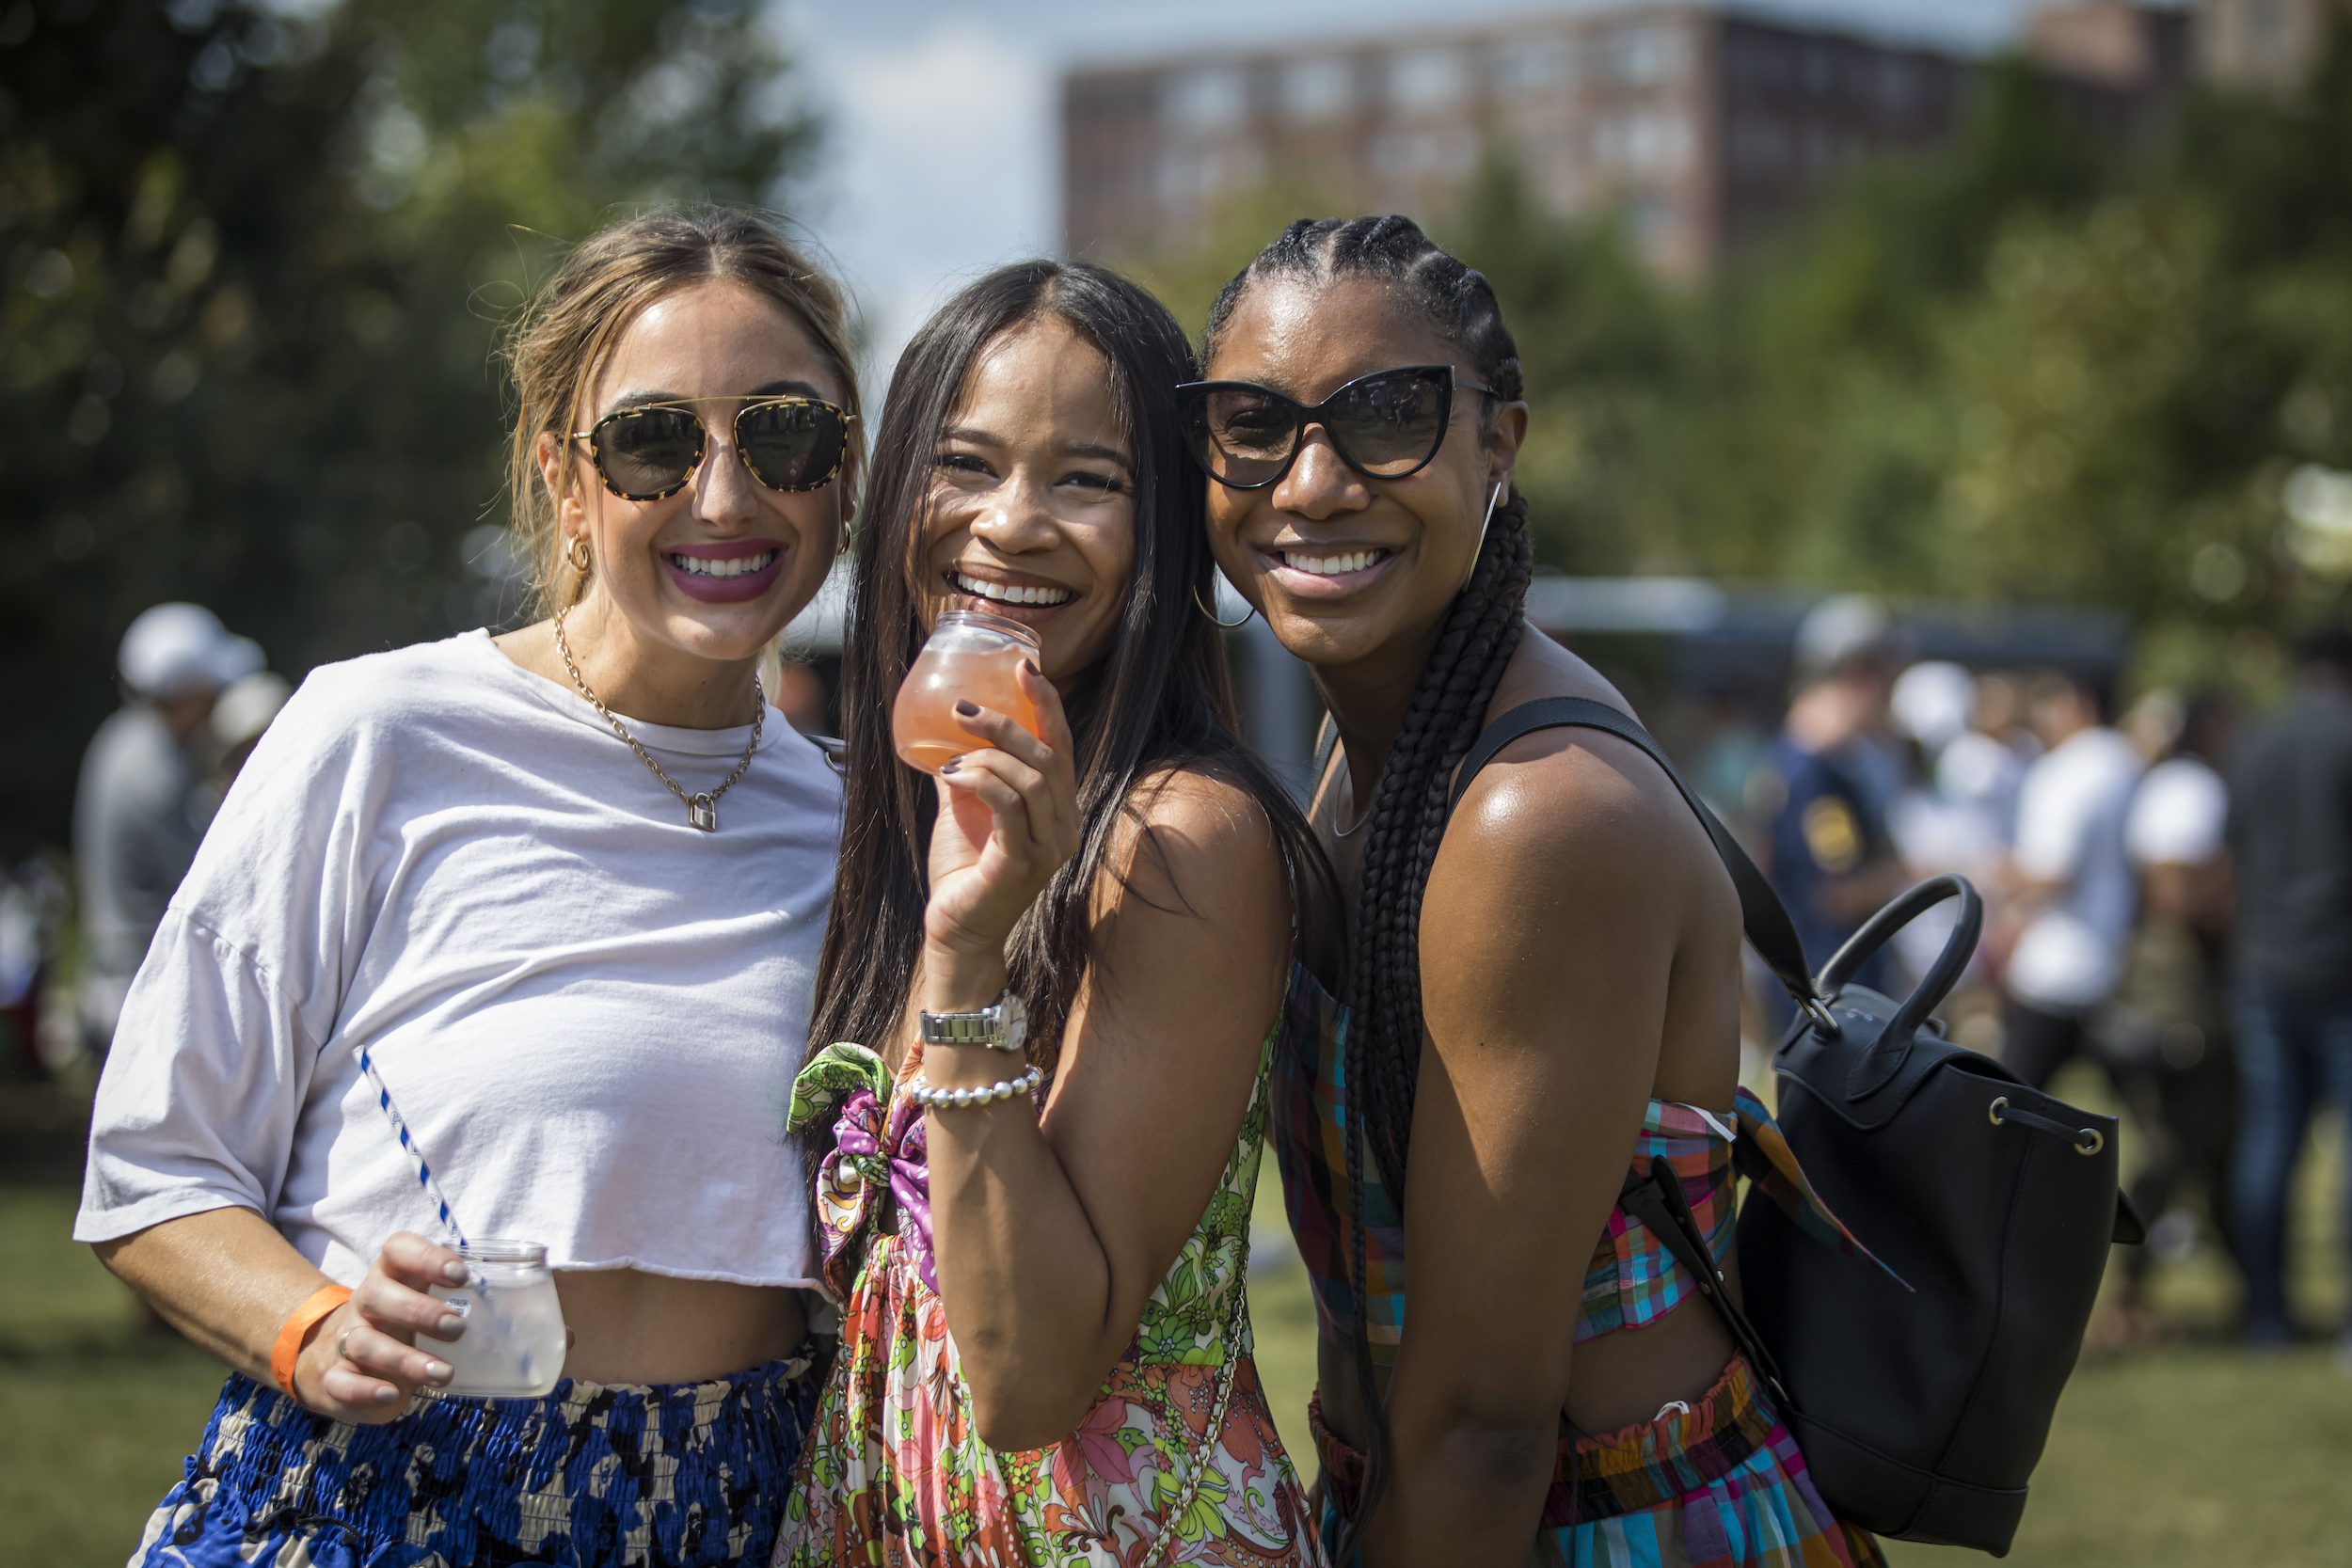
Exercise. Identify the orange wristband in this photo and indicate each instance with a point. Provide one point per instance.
(297, 1328)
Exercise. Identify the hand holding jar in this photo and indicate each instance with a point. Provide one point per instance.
(1007, 794)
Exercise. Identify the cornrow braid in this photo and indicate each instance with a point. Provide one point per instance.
(1381, 1056)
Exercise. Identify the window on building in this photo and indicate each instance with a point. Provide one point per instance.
(1638, 145)
(1426, 79)
(1310, 90)
(1208, 98)
(1643, 142)
(1644, 56)
(1530, 69)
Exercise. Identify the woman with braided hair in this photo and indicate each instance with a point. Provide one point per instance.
(1542, 987)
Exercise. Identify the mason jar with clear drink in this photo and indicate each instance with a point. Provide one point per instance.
(514, 1343)
(970, 656)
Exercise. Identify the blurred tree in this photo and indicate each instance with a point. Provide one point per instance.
(254, 257)
(2109, 402)
(2032, 367)
(1603, 348)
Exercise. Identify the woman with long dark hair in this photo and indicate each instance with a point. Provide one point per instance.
(1045, 1351)
(1542, 992)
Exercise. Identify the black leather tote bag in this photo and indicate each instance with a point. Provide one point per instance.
(1923, 1412)
(1921, 1407)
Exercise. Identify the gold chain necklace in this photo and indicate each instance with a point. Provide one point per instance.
(702, 810)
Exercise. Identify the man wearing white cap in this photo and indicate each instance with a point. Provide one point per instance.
(139, 812)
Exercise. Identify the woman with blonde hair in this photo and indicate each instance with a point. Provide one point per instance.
(547, 893)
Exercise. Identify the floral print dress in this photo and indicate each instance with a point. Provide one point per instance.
(1176, 1463)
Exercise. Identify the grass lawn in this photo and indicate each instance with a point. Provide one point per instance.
(96, 1411)
(2196, 1453)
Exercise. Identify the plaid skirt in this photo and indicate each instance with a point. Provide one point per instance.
(598, 1476)
(1720, 1486)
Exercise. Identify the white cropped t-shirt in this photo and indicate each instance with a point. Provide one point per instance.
(588, 1011)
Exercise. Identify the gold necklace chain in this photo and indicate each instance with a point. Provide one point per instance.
(702, 810)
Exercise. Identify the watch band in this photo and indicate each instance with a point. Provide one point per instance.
(1002, 1025)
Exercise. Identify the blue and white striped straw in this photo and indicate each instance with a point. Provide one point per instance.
(416, 1151)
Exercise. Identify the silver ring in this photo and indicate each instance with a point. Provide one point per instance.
(1823, 1020)
(343, 1340)
(2089, 1141)
(1992, 1112)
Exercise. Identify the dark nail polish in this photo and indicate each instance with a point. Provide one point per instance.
(951, 765)
(966, 708)
(1030, 665)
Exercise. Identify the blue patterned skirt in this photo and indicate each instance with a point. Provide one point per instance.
(621, 1476)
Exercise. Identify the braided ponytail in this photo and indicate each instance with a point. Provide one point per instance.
(1381, 1062)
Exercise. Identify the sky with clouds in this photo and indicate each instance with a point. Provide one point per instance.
(940, 116)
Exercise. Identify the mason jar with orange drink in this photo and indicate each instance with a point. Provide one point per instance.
(971, 655)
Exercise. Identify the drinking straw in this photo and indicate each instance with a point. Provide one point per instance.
(416, 1151)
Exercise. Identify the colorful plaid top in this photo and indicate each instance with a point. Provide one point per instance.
(1632, 1280)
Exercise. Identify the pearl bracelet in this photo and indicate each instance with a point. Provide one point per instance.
(932, 1099)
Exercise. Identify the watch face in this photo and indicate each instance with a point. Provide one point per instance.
(1013, 1022)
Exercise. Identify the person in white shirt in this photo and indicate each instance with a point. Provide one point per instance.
(141, 805)
(562, 891)
(2070, 883)
(2165, 1035)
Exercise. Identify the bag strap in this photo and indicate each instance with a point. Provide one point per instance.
(1769, 930)
(1657, 1201)
(1326, 740)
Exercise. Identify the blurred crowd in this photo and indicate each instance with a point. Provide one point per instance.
(195, 700)
(2167, 890)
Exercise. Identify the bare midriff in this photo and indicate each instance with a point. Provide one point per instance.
(1617, 1380)
(631, 1326)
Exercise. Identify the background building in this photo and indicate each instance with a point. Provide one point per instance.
(1700, 128)
(2262, 43)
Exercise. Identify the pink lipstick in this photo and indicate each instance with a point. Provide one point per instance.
(727, 571)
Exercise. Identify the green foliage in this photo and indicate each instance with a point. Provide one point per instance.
(255, 258)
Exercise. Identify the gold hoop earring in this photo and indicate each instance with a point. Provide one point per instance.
(1222, 626)
(578, 554)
